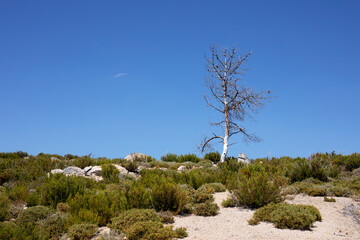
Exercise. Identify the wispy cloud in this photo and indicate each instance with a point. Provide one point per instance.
(120, 75)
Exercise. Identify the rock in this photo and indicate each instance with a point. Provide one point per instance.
(54, 159)
(139, 168)
(94, 171)
(121, 169)
(136, 157)
(131, 174)
(182, 168)
(74, 171)
(56, 171)
(243, 158)
(87, 169)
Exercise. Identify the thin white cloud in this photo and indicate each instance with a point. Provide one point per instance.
(120, 75)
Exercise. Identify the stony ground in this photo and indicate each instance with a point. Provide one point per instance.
(231, 223)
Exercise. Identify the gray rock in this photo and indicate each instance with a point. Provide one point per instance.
(243, 158)
(136, 157)
(121, 169)
(139, 168)
(182, 168)
(86, 170)
(94, 171)
(54, 159)
(74, 171)
(56, 171)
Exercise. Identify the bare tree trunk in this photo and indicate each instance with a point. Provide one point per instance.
(230, 98)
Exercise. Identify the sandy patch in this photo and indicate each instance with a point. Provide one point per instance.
(231, 223)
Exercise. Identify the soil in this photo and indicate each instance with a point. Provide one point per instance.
(338, 222)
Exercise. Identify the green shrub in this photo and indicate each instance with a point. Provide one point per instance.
(170, 157)
(213, 156)
(316, 191)
(82, 231)
(329, 199)
(205, 163)
(181, 232)
(206, 209)
(256, 188)
(138, 196)
(110, 173)
(189, 158)
(83, 161)
(352, 162)
(58, 188)
(217, 187)
(19, 193)
(168, 196)
(62, 208)
(285, 215)
(166, 217)
(4, 206)
(131, 166)
(149, 230)
(15, 208)
(27, 221)
(51, 227)
(7, 230)
(228, 203)
(201, 197)
(130, 217)
(341, 191)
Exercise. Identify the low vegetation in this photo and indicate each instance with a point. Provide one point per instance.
(38, 205)
(285, 215)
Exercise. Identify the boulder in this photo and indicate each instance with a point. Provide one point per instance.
(243, 158)
(182, 168)
(74, 171)
(54, 159)
(56, 171)
(86, 170)
(94, 171)
(139, 168)
(136, 157)
(121, 169)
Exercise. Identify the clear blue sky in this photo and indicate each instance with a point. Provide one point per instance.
(115, 77)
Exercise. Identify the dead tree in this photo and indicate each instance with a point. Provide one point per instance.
(229, 97)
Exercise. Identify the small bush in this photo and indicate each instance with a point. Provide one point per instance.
(142, 224)
(168, 196)
(352, 162)
(201, 197)
(217, 187)
(341, 191)
(83, 161)
(131, 166)
(4, 206)
(228, 203)
(181, 232)
(50, 228)
(110, 173)
(329, 199)
(170, 157)
(256, 188)
(285, 215)
(82, 231)
(166, 217)
(27, 221)
(62, 208)
(213, 156)
(15, 208)
(7, 230)
(130, 217)
(206, 209)
(189, 158)
(149, 230)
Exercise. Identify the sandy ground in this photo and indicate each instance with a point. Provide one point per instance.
(231, 223)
